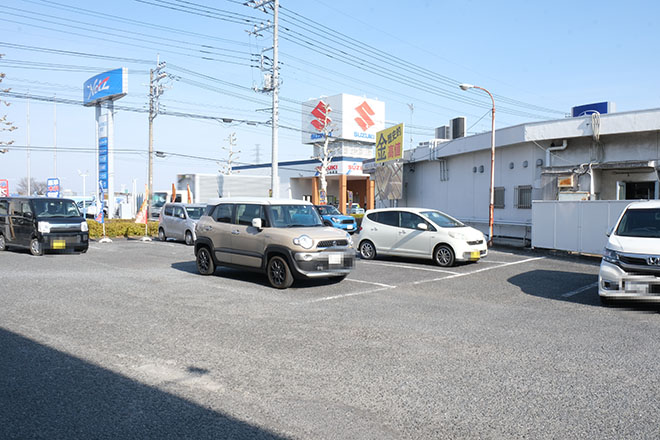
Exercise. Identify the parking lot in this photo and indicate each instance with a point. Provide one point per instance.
(129, 341)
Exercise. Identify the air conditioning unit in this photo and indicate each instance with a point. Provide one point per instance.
(457, 127)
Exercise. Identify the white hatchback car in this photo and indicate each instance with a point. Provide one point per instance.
(630, 268)
(419, 232)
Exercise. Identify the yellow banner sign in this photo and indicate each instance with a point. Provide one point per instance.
(389, 144)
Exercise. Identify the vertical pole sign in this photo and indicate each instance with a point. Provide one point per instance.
(53, 187)
(4, 187)
(101, 91)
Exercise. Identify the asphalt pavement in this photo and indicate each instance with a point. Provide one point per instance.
(128, 341)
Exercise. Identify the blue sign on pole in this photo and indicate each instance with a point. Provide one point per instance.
(109, 85)
(53, 187)
(103, 162)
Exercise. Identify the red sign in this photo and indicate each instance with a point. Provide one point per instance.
(320, 112)
(4, 187)
(365, 112)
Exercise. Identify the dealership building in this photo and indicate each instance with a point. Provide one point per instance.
(350, 123)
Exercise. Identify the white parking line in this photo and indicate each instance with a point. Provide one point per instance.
(477, 271)
(409, 267)
(580, 290)
(346, 295)
(370, 282)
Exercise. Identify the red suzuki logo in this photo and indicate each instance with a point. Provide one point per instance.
(365, 112)
(320, 112)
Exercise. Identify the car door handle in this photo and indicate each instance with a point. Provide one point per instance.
(235, 232)
(206, 228)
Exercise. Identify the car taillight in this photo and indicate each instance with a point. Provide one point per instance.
(359, 229)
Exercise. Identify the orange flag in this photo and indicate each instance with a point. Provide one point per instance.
(173, 194)
(141, 216)
(189, 194)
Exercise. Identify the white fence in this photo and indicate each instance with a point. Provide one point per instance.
(579, 226)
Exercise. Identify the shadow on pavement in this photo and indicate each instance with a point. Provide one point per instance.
(574, 287)
(45, 393)
(252, 276)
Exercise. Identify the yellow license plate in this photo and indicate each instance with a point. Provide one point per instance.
(475, 255)
(59, 244)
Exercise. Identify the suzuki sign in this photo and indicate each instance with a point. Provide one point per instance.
(348, 117)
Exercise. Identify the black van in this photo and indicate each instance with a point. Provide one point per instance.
(41, 223)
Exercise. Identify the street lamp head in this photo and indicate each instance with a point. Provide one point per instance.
(466, 86)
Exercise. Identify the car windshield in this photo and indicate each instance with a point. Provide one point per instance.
(56, 208)
(159, 199)
(329, 210)
(640, 223)
(294, 216)
(195, 212)
(442, 220)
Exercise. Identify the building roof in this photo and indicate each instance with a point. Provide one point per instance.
(610, 124)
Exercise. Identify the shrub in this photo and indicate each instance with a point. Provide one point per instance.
(121, 228)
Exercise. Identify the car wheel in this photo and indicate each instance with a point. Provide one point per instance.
(279, 273)
(161, 234)
(205, 264)
(327, 224)
(367, 250)
(83, 251)
(189, 238)
(443, 255)
(36, 248)
(3, 243)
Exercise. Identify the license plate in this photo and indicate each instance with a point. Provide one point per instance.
(633, 287)
(59, 244)
(349, 227)
(334, 258)
(475, 255)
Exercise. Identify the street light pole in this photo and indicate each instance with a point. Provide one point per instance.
(491, 208)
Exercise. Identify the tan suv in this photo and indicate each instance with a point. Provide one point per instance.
(283, 237)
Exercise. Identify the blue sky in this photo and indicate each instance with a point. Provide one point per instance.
(538, 58)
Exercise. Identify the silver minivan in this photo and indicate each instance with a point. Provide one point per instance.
(178, 220)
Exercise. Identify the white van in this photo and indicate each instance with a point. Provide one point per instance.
(630, 268)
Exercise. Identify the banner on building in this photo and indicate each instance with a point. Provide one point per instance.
(389, 144)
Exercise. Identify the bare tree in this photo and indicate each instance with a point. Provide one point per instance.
(325, 153)
(38, 188)
(5, 125)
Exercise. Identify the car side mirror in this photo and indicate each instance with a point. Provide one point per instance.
(256, 223)
(608, 233)
(422, 226)
(183, 216)
(28, 215)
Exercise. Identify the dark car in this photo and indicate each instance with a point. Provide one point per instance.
(332, 217)
(41, 223)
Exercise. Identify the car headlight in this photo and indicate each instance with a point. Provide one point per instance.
(304, 241)
(349, 239)
(611, 256)
(84, 227)
(44, 227)
(457, 235)
(334, 219)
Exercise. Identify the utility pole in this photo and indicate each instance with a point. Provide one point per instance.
(231, 139)
(155, 90)
(411, 106)
(28, 146)
(272, 84)
(55, 136)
